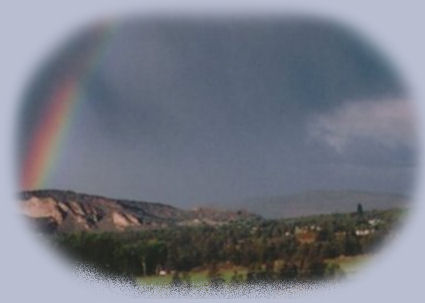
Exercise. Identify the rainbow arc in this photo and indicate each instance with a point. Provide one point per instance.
(59, 111)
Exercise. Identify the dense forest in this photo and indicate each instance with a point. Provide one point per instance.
(282, 250)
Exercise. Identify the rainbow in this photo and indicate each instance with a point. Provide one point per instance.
(58, 114)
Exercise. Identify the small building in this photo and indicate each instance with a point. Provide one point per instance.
(363, 232)
(374, 222)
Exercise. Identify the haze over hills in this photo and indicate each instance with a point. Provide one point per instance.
(316, 202)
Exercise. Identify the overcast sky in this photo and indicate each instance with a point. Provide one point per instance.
(192, 111)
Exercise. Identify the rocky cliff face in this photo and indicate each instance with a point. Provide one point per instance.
(67, 211)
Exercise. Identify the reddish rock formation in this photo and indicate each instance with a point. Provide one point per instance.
(67, 211)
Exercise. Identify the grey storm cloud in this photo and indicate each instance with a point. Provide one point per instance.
(186, 111)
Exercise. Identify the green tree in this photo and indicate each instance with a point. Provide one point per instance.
(360, 210)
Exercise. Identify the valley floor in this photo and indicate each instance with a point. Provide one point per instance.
(304, 249)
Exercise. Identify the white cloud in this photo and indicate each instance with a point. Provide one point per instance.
(387, 122)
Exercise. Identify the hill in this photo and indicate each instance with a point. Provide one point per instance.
(316, 202)
(55, 210)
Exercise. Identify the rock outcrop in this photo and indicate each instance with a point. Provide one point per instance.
(67, 211)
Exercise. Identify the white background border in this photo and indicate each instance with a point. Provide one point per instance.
(30, 30)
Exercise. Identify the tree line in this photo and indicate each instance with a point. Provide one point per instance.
(301, 245)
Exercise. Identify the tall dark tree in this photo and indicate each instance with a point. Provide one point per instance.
(360, 209)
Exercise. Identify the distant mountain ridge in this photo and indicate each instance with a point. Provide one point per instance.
(317, 202)
(67, 211)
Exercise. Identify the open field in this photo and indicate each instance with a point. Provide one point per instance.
(197, 277)
(348, 264)
(351, 264)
